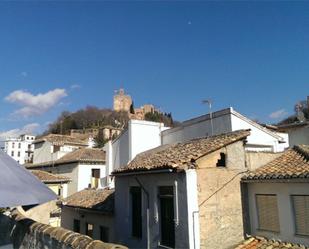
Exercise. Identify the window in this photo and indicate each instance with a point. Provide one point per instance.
(89, 229)
(221, 162)
(29, 146)
(166, 198)
(56, 148)
(136, 211)
(95, 174)
(13, 145)
(104, 234)
(267, 209)
(12, 153)
(76, 226)
(19, 145)
(301, 214)
(18, 154)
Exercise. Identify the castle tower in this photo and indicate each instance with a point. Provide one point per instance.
(122, 101)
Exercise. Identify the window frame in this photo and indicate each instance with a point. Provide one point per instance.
(136, 234)
(258, 213)
(294, 215)
(75, 222)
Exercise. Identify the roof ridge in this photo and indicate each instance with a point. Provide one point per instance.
(301, 150)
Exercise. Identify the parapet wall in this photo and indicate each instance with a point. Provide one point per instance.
(25, 233)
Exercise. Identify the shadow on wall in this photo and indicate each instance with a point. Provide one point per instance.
(25, 233)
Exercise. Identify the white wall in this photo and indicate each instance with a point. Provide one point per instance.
(299, 135)
(84, 174)
(226, 120)
(140, 136)
(42, 152)
(151, 182)
(285, 209)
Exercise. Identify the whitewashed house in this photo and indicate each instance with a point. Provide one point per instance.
(183, 195)
(54, 146)
(85, 167)
(298, 132)
(90, 212)
(276, 199)
(21, 148)
(227, 120)
(139, 136)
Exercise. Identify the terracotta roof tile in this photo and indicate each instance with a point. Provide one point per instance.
(79, 155)
(57, 139)
(96, 199)
(181, 155)
(263, 243)
(294, 163)
(48, 177)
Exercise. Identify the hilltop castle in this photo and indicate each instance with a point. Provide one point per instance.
(123, 102)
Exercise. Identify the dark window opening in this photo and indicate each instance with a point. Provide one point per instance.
(136, 211)
(76, 226)
(89, 230)
(166, 197)
(104, 234)
(95, 174)
(222, 162)
(56, 148)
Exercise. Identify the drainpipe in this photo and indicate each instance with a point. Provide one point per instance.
(193, 219)
(147, 211)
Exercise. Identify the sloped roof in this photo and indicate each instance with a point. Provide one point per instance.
(91, 155)
(181, 155)
(47, 177)
(294, 163)
(57, 139)
(263, 243)
(96, 199)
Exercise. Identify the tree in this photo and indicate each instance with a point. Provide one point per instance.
(99, 139)
(132, 108)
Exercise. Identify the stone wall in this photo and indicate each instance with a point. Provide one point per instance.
(25, 233)
(255, 160)
(219, 197)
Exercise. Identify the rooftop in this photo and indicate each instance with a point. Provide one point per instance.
(90, 155)
(57, 139)
(95, 199)
(48, 177)
(293, 164)
(181, 155)
(263, 243)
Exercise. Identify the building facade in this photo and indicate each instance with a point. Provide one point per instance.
(276, 198)
(184, 195)
(20, 149)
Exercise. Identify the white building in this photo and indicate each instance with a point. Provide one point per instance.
(85, 167)
(21, 148)
(227, 120)
(54, 146)
(139, 136)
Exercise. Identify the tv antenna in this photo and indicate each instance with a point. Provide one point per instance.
(209, 102)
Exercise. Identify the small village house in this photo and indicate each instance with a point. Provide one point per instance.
(276, 198)
(298, 132)
(54, 146)
(85, 167)
(183, 195)
(90, 212)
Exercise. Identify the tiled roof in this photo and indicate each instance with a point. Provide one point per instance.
(57, 139)
(262, 243)
(48, 177)
(91, 155)
(294, 163)
(95, 199)
(181, 155)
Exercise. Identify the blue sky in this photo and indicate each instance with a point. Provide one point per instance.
(57, 56)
